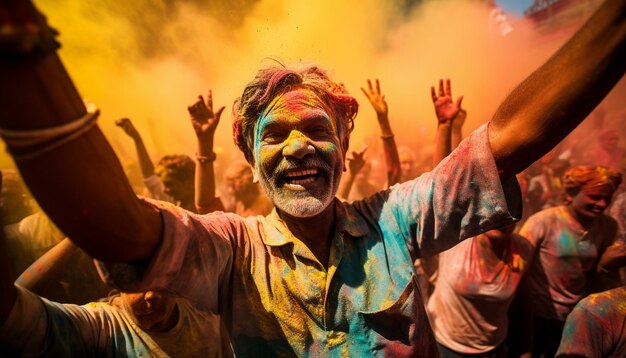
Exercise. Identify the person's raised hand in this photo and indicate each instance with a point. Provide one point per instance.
(203, 119)
(445, 108)
(128, 127)
(376, 98)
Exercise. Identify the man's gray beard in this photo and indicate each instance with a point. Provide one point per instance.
(301, 207)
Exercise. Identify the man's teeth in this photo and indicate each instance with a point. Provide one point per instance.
(300, 177)
(302, 181)
(299, 173)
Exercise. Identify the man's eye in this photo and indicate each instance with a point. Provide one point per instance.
(271, 137)
(319, 131)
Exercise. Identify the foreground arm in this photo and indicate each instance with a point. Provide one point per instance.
(38, 275)
(549, 104)
(87, 195)
(7, 289)
(8, 294)
(392, 159)
(204, 122)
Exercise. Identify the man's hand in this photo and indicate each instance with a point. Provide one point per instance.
(445, 109)
(613, 257)
(128, 128)
(203, 119)
(376, 98)
(356, 161)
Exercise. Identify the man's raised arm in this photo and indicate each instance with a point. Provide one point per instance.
(553, 100)
(67, 163)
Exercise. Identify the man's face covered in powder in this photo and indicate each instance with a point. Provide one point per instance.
(297, 153)
(592, 201)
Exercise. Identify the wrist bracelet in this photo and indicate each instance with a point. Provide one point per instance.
(43, 140)
(388, 136)
(206, 159)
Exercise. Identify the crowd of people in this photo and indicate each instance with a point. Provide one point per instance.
(509, 242)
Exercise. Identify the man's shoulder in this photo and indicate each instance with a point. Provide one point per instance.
(546, 216)
(606, 302)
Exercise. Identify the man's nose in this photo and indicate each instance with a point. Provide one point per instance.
(298, 146)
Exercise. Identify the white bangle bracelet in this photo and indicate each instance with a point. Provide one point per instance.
(51, 138)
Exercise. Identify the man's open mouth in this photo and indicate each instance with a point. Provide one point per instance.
(301, 176)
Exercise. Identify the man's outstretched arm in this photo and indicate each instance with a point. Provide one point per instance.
(79, 183)
(553, 100)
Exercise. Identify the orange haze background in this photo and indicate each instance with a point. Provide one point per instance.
(148, 60)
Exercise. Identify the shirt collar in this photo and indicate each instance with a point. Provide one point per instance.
(347, 220)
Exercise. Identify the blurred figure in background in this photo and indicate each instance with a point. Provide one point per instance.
(607, 152)
(247, 198)
(570, 241)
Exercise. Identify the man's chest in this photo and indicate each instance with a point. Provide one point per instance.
(368, 287)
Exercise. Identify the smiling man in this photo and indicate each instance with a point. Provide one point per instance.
(316, 277)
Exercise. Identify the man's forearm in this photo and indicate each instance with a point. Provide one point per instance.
(553, 100)
(80, 184)
(36, 277)
(8, 293)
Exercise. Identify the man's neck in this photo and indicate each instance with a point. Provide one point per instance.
(315, 232)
